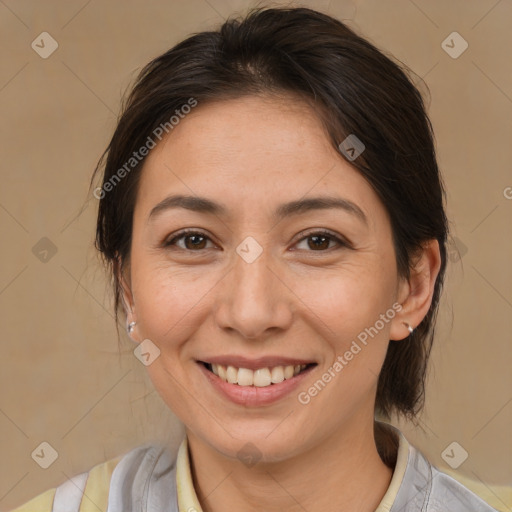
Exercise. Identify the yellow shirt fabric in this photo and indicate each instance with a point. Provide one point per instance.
(95, 498)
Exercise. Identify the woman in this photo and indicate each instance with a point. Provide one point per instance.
(272, 214)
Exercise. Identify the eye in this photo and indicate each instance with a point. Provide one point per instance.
(320, 240)
(195, 240)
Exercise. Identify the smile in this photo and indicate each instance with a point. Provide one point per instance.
(261, 377)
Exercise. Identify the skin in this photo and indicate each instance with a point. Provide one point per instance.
(253, 154)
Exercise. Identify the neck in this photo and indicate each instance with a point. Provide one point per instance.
(344, 472)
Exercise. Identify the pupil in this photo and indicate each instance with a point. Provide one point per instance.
(194, 237)
(316, 238)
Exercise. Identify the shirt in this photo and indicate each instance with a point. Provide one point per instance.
(150, 479)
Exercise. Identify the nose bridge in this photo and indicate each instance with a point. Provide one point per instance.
(252, 277)
(254, 300)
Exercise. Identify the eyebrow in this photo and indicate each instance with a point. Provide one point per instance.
(204, 205)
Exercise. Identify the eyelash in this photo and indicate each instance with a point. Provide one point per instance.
(328, 234)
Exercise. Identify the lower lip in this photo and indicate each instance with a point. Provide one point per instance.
(253, 395)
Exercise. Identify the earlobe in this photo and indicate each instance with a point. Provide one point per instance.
(410, 328)
(417, 292)
(401, 329)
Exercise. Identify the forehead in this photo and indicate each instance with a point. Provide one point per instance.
(250, 130)
(250, 152)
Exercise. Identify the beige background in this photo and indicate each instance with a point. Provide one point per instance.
(62, 379)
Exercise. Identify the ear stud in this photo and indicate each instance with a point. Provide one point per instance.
(411, 329)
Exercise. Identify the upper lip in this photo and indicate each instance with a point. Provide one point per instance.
(254, 364)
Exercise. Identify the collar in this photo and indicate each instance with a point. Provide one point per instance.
(187, 497)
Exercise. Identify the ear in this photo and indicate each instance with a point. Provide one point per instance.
(415, 293)
(123, 276)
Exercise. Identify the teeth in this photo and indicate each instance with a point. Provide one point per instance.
(261, 377)
(289, 372)
(277, 374)
(231, 374)
(245, 377)
(221, 371)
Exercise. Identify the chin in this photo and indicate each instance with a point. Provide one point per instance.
(251, 447)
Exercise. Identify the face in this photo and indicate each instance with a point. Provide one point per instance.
(258, 285)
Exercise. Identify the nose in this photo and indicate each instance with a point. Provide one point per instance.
(254, 299)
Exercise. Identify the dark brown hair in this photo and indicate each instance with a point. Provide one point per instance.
(354, 88)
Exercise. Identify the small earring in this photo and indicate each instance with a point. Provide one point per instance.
(130, 327)
(411, 329)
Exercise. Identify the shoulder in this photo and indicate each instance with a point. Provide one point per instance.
(427, 488)
(144, 479)
(465, 493)
(109, 480)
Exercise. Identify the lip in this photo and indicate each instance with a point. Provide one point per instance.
(255, 364)
(253, 396)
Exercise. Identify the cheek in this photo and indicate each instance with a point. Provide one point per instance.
(349, 298)
(353, 311)
(170, 302)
